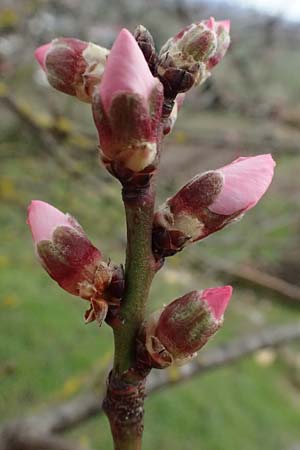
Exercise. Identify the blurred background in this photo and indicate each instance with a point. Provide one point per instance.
(48, 151)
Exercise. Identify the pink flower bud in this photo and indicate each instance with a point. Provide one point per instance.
(210, 201)
(65, 251)
(72, 66)
(185, 325)
(127, 108)
(186, 58)
(245, 181)
(126, 71)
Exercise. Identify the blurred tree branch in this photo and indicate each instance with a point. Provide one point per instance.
(258, 278)
(40, 431)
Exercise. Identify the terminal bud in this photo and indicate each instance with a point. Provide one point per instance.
(127, 110)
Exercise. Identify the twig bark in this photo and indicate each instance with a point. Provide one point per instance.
(124, 402)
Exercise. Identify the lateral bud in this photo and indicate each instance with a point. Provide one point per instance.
(73, 66)
(72, 261)
(176, 333)
(209, 202)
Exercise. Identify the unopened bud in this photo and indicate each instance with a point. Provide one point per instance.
(127, 109)
(209, 202)
(185, 59)
(68, 255)
(72, 66)
(184, 326)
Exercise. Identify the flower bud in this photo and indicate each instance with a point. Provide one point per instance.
(185, 59)
(127, 108)
(210, 201)
(184, 326)
(69, 257)
(72, 66)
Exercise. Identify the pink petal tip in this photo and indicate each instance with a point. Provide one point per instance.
(40, 54)
(245, 181)
(126, 70)
(210, 23)
(43, 219)
(218, 299)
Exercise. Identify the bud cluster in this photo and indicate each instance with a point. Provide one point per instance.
(135, 95)
(133, 90)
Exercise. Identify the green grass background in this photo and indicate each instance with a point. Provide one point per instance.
(47, 354)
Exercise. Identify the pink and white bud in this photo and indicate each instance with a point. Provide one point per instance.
(183, 327)
(127, 108)
(72, 66)
(186, 58)
(210, 201)
(66, 253)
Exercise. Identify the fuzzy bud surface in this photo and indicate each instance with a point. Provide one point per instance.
(71, 259)
(210, 201)
(127, 108)
(186, 58)
(184, 326)
(73, 66)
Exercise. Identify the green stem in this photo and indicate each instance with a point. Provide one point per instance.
(124, 402)
(139, 272)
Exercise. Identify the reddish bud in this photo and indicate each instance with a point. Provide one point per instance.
(72, 66)
(127, 109)
(185, 325)
(63, 249)
(185, 59)
(210, 201)
(70, 258)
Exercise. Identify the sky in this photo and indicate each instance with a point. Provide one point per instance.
(290, 9)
